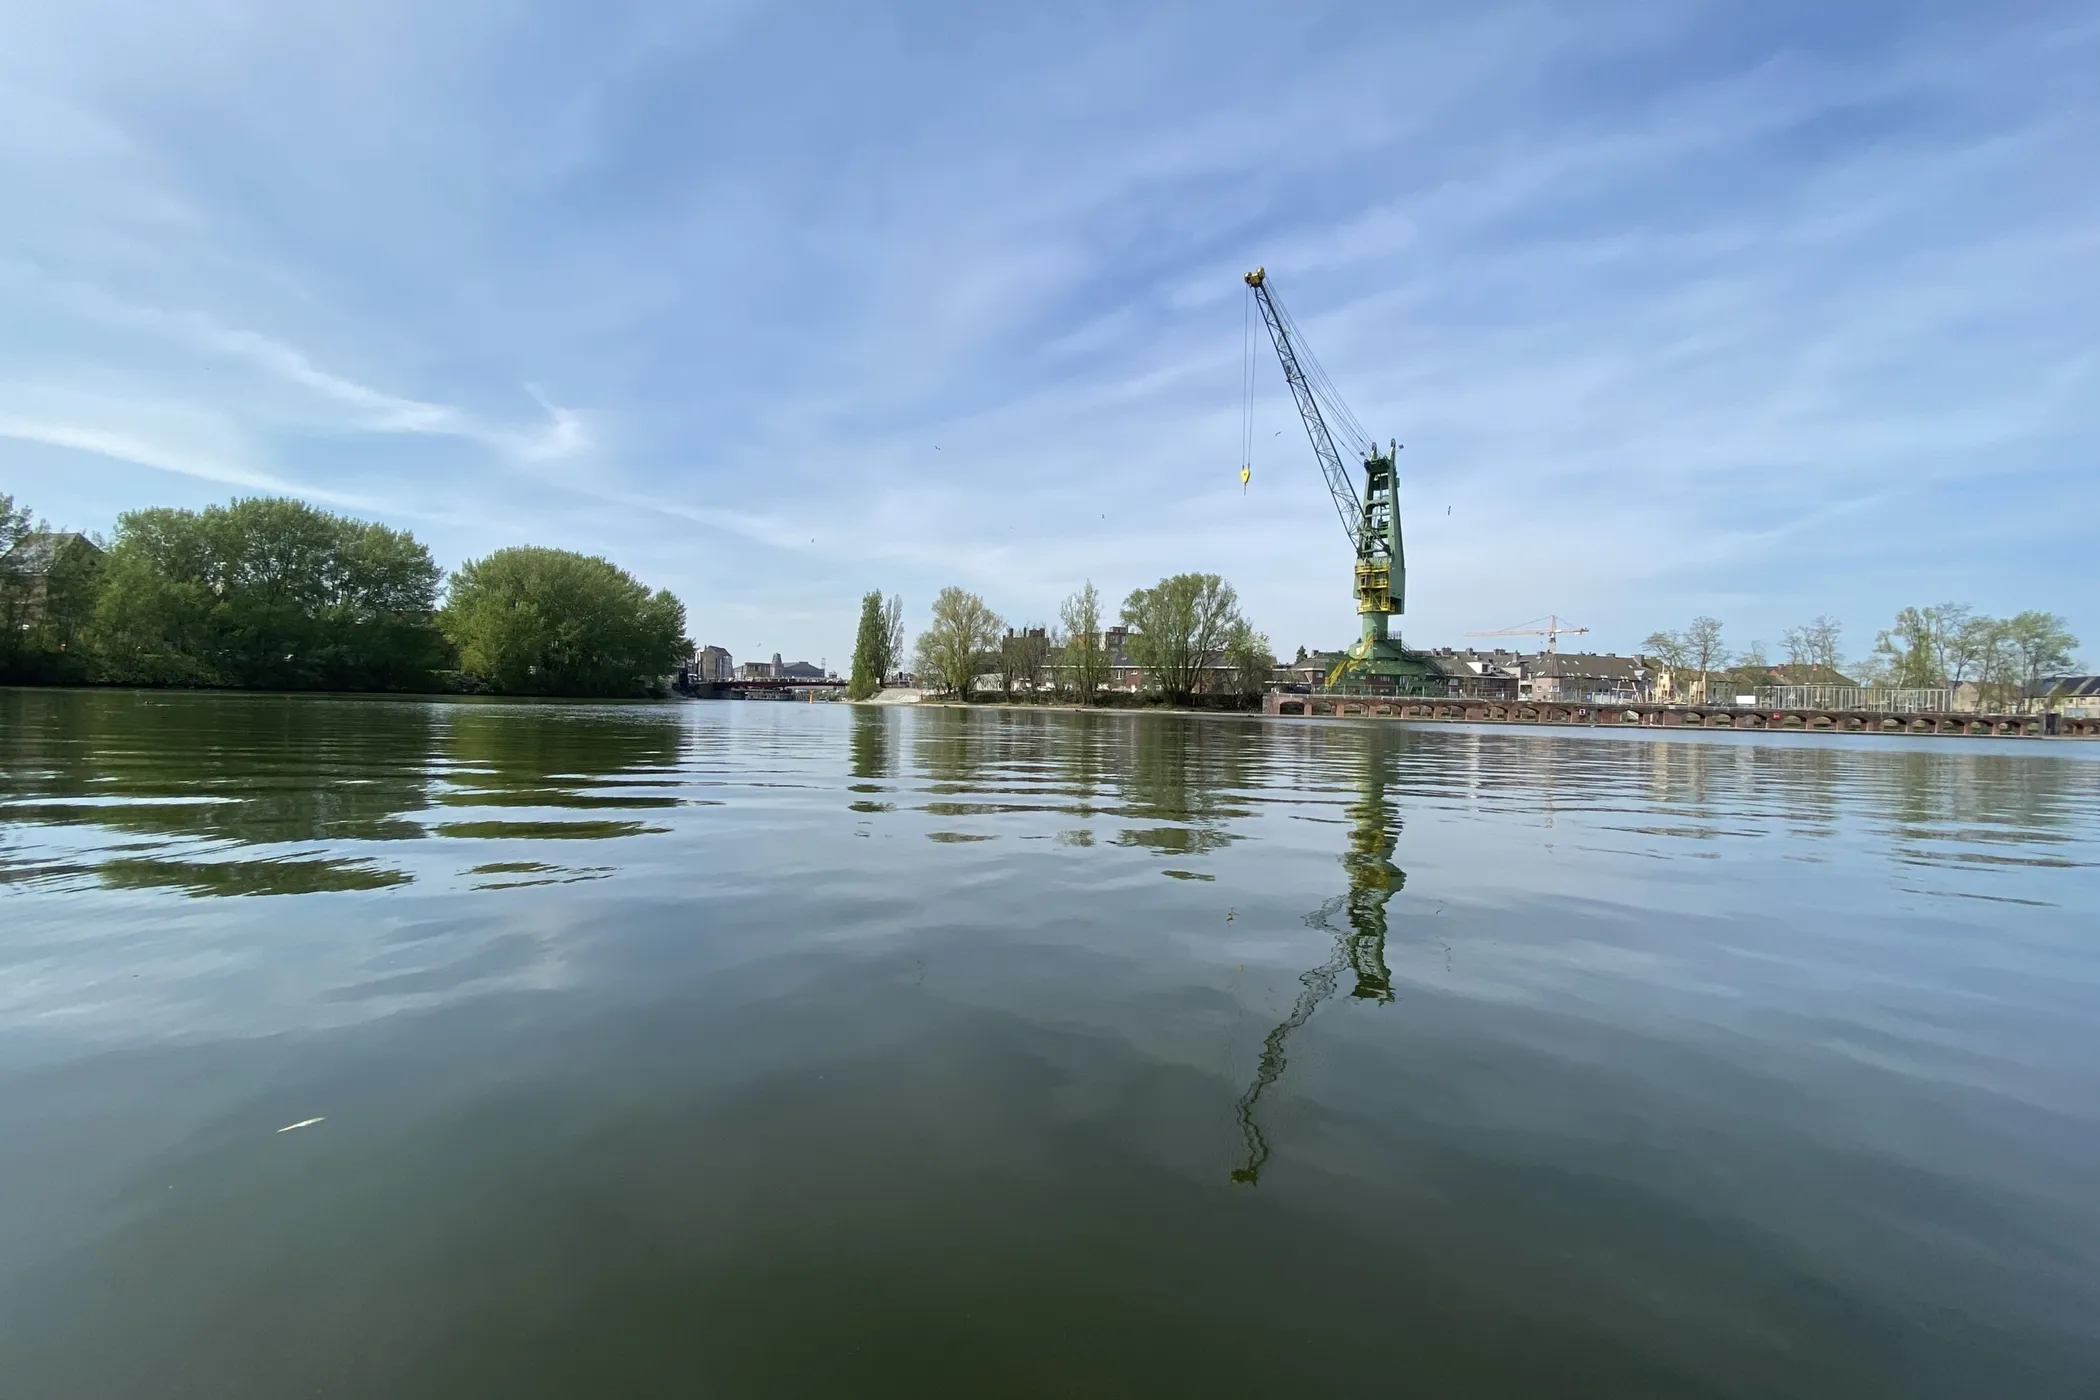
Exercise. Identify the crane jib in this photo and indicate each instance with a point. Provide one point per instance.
(1339, 486)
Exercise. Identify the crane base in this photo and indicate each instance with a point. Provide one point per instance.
(1383, 666)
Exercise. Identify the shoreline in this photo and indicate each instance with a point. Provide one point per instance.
(1431, 722)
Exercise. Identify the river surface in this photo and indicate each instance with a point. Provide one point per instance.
(743, 1049)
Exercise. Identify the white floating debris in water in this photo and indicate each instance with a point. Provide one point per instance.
(302, 1123)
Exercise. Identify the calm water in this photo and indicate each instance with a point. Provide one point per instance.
(788, 1050)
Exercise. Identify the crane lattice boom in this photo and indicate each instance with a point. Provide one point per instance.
(1553, 631)
(1339, 485)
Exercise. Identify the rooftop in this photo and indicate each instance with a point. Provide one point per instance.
(40, 550)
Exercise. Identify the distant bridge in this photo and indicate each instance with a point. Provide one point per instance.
(767, 688)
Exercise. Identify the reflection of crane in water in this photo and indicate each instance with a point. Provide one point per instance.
(1360, 946)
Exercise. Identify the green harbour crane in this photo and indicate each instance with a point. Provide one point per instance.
(1377, 661)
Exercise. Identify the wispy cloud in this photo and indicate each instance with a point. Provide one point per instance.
(1675, 307)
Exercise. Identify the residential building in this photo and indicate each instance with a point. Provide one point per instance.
(1581, 676)
(1490, 675)
(40, 562)
(2075, 697)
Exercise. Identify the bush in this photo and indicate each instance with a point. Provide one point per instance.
(533, 621)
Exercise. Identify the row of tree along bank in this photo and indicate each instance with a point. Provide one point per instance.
(271, 594)
(1999, 660)
(1185, 636)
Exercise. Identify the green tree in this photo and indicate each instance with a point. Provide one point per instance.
(1669, 649)
(1086, 661)
(871, 660)
(893, 634)
(1913, 654)
(15, 522)
(534, 621)
(1179, 627)
(2042, 644)
(266, 594)
(956, 643)
(1248, 660)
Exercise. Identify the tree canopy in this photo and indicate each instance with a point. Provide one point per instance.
(1952, 645)
(1180, 626)
(266, 594)
(534, 621)
(956, 643)
(878, 646)
(1695, 650)
(1086, 662)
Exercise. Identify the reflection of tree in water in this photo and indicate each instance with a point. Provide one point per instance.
(249, 769)
(1191, 772)
(870, 741)
(209, 774)
(554, 755)
(952, 746)
(1359, 946)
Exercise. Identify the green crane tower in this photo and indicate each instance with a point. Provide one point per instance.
(1378, 661)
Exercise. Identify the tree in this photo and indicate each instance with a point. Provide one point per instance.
(893, 652)
(534, 621)
(1968, 647)
(266, 594)
(1086, 661)
(1249, 662)
(871, 646)
(1179, 627)
(1815, 643)
(1669, 649)
(955, 642)
(1913, 654)
(1702, 642)
(15, 522)
(2042, 644)
(1753, 657)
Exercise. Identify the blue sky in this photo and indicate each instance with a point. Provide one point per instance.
(1754, 310)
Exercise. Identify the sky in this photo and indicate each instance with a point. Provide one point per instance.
(1756, 311)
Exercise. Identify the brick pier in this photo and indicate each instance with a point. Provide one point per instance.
(1650, 715)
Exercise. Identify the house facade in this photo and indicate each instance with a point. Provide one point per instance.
(39, 569)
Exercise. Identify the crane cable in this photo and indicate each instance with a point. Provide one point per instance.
(1247, 392)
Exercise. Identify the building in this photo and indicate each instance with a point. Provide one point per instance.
(1581, 676)
(42, 562)
(1490, 675)
(1123, 672)
(711, 665)
(2074, 697)
(1748, 680)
